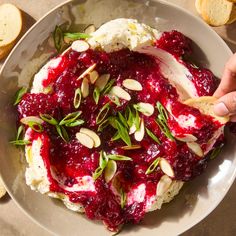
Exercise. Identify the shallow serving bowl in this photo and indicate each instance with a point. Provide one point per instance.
(30, 54)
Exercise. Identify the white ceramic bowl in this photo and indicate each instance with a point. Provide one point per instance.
(34, 49)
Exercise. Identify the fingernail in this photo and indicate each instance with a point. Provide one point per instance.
(220, 109)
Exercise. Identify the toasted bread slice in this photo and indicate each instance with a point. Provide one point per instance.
(2, 189)
(198, 5)
(6, 49)
(10, 24)
(216, 12)
(232, 18)
(206, 106)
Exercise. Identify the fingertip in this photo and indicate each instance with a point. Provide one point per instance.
(220, 109)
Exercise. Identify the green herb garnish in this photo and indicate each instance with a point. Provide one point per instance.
(119, 157)
(153, 166)
(162, 121)
(215, 152)
(20, 142)
(75, 123)
(152, 136)
(19, 94)
(103, 160)
(123, 133)
(62, 132)
(77, 98)
(19, 132)
(49, 119)
(96, 95)
(103, 113)
(76, 36)
(108, 86)
(70, 118)
(58, 38)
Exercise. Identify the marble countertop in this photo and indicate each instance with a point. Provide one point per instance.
(220, 222)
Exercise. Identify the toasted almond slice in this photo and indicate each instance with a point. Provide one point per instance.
(102, 81)
(133, 147)
(195, 148)
(90, 29)
(80, 46)
(163, 185)
(120, 93)
(93, 76)
(85, 140)
(87, 71)
(139, 134)
(85, 88)
(187, 138)
(93, 135)
(132, 84)
(166, 167)
(28, 119)
(132, 129)
(110, 170)
(146, 108)
(206, 106)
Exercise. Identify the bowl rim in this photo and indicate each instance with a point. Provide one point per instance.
(165, 2)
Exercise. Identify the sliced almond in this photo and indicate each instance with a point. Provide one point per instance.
(139, 134)
(195, 148)
(90, 29)
(80, 46)
(187, 138)
(166, 167)
(28, 119)
(87, 71)
(146, 108)
(102, 81)
(85, 140)
(93, 76)
(93, 135)
(163, 185)
(85, 88)
(120, 93)
(132, 84)
(110, 170)
(133, 147)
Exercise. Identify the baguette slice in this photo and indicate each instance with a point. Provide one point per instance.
(198, 5)
(2, 189)
(206, 106)
(6, 49)
(216, 12)
(10, 24)
(232, 18)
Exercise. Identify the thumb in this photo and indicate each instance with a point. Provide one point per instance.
(226, 105)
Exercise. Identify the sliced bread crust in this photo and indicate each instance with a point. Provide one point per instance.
(206, 106)
(216, 12)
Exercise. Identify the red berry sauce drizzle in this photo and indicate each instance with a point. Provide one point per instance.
(71, 159)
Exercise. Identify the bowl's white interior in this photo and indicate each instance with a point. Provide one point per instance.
(206, 191)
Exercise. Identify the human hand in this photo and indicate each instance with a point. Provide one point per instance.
(226, 92)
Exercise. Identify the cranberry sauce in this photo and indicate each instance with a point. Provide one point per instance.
(72, 160)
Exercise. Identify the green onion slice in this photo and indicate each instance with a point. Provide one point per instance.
(20, 142)
(75, 123)
(103, 113)
(123, 198)
(96, 95)
(19, 94)
(76, 36)
(152, 136)
(115, 157)
(58, 38)
(153, 166)
(123, 133)
(77, 98)
(71, 117)
(62, 133)
(49, 119)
